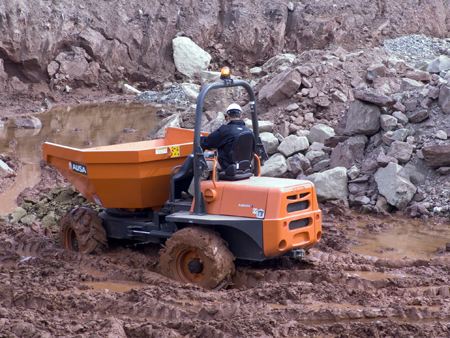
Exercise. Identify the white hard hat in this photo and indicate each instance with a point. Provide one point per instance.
(234, 107)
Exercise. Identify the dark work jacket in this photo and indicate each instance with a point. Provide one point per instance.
(222, 139)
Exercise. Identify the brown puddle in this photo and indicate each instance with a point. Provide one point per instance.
(79, 126)
(112, 286)
(336, 305)
(376, 275)
(405, 238)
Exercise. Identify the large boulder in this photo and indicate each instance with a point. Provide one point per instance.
(402, 151)
(189, 57)
(444, 99)
(293, 144)
(436, 155)
(263, 126)
(394, 185)
(270, 142)
(330, 184)
(409, 85)
(274, 166)
(373, 96)
(281, 87)
(299, 164)
(363, 118)
(30, 122)
(439, 64)
(319, 133)
(349, 152)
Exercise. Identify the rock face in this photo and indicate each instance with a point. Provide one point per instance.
(133, 40)
(330, 184)
(397, 190)
(189, 57)
(282, 86)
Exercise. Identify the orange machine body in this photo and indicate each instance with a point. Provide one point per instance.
(288, 208)
(129, 175)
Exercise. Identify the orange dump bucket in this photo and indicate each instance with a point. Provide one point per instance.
(129, 175)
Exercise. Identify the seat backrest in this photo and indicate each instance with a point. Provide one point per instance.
(243, 147)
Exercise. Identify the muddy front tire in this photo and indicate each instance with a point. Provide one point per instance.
(81, 230)
(199, 256)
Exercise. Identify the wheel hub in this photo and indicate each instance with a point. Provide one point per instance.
(195, 266)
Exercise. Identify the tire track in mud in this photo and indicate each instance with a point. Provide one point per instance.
(44, 289)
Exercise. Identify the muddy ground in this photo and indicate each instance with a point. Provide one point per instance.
(334, 292)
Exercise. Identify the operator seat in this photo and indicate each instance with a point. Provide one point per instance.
(241, 156)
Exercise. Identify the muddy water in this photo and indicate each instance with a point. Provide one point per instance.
(398, 239)
(79, 126)
(375, 275)
(112, 286)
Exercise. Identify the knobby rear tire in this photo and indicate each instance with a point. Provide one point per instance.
(81, 230)
(199, 256)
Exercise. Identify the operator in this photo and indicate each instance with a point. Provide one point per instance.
(223, 138)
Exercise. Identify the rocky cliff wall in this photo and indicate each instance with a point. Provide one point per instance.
(99, 43)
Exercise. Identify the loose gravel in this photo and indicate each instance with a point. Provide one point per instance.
(417, 48)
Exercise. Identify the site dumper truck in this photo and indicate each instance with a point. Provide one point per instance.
(140, 185)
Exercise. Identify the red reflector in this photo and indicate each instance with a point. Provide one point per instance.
(284, 224)
(317, 217)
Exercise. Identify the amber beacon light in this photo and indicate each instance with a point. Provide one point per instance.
(225, 73)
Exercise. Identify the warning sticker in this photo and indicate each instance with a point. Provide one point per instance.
(175, 151)
(260, 213)
(159, 151)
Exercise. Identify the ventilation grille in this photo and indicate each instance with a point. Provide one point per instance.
(299, 223)
(297, 206)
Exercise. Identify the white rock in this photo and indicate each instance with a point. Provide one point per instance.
(130, 90)
(31, 122)
(320, 132)
(274, 166)
(330, 184)
(5, 170)
(293, 144)
(270, 142)
(263, 126)
(191, 91)
(441, 135)
(189, 57)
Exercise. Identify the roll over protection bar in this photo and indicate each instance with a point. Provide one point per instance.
(199, 205)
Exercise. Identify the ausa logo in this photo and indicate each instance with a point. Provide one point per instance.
(78, 168)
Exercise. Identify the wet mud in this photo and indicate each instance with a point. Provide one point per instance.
(334, 292)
